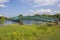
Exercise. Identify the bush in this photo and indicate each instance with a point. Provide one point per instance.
(2, 19)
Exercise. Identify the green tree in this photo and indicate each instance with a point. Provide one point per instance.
(57, 16)
(2, 19)
(46, 15)
(36, 15)
(20, 17)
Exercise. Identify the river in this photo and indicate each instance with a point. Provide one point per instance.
(24, 22)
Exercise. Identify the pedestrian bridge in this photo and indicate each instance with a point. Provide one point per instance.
(50, 19)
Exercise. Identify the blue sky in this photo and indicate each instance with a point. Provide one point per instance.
(10, 8)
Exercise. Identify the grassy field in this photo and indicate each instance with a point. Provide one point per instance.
(29, 32)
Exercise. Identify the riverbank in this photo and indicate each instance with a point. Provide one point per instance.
(29, 32)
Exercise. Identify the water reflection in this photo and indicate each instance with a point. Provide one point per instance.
(24, 22)
(8, 22)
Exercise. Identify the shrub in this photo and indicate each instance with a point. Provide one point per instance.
(2, 19)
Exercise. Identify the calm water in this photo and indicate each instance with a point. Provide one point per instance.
(6, 22)
(24, 22)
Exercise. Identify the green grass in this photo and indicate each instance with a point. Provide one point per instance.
(29, 32)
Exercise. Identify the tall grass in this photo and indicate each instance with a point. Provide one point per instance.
(29, 32)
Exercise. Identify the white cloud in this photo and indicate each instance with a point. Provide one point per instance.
(2, 3)
(57, 11)
(44, 2)
(37, 3)
(43, 11)
(40, 10)
(25, 1)
(58, 5)
(1, 15)
(46, 11)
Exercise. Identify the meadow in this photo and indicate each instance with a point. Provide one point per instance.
(29, 32)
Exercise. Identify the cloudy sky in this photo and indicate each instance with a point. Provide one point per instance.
(12, 8)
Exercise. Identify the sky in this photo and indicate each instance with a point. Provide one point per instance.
(11, 8)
